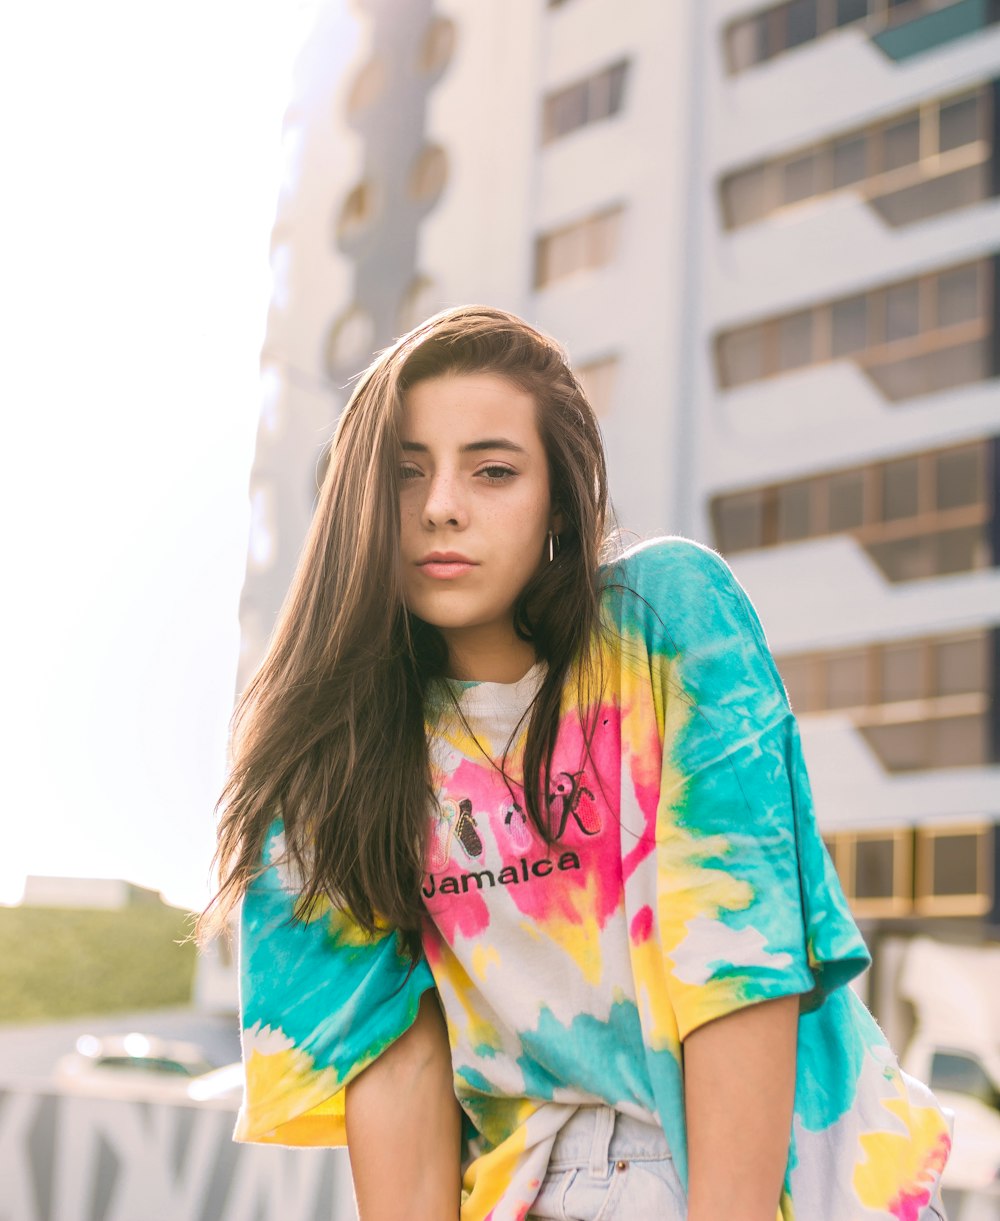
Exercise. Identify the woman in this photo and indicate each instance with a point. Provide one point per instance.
(531, 832)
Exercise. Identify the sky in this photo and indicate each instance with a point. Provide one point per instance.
(142, 151)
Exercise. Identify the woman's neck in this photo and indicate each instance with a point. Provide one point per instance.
(486, 656)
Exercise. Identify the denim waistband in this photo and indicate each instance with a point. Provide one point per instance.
(595, 1135)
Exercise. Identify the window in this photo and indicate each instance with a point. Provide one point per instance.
(961, 664)
(741, 355)
(912, 338)
(598, 378)
(798, 675)
(800, 22)
(794, 510)
(902, 672)
(920, 703)
(565, 112)
(739, 522)
(799, 178)
(850, 160)
(746, 43)
(846, 501)
(908, 166)
(746, 196)
(848, 11)
(960, 122)
(959, 477)
(917, 516)
(902, 311)
(793, 23)
(850, 326)
(932, 870)
(900, 143)
(876, 869)
(958, 296)
(587, 244)
(588, 101)
(954, 866)
(366, 88)
(900, 489)
(437, 46)
(357, 213)
(795, 341)
(607, 92)
(847, 679)
(428, 174)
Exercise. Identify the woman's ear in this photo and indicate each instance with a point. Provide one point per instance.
(557, 523)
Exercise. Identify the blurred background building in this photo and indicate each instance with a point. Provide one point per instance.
(769, 238)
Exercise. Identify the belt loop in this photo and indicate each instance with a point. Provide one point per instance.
(604, 1126)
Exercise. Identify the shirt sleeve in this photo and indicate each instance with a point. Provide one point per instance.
(319, 1001)
(750, 905)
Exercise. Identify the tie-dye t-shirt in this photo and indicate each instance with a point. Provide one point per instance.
(689, 879)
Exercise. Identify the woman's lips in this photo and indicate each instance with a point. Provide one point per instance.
(445, 570)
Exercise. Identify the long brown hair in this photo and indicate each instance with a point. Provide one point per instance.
(330, 730)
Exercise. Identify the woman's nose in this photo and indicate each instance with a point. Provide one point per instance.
(445, 503)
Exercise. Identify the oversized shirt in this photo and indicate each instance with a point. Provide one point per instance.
(688, 880)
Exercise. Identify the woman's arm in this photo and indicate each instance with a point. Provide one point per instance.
(404, 1127)
(739, 1087)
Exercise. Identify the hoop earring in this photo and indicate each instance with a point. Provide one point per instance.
(552, 546)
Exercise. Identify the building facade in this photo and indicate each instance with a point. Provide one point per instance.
(769, 238)
(848, 421)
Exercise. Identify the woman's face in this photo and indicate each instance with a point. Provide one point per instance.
(475, 507)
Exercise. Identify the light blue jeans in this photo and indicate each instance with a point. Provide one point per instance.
(606, 1166)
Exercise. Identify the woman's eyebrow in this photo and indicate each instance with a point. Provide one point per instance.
(415, 447)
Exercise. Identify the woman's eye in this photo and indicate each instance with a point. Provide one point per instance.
(497, 474)
(408, 472)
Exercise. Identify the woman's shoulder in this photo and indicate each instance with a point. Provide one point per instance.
(667, 556)
(676, 583)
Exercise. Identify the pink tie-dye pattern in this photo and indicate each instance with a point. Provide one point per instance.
(642, 925)
(595, 889)
(909, 1205)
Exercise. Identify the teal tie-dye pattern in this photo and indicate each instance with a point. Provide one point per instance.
(603, 1058)
(692, 881)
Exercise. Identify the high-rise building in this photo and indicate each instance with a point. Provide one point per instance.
(848, 416)
(769, 237)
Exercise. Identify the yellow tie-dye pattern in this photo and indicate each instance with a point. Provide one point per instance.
(483, 957)
(489, 1176)
(651, 995)
(478, 1033)
(581, 941)
(307, 912)
(901, 1167)
(687, 889)
(275, 1078)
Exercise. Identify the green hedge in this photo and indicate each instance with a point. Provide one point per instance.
(62, 962)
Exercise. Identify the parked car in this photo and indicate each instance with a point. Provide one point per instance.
(138, 1065)
(955, 1049)
(969, 1082)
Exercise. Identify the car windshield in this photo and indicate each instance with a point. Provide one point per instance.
(963, 1075)
(151, 1064)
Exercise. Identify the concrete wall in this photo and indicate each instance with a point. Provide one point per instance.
(72, 1158)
